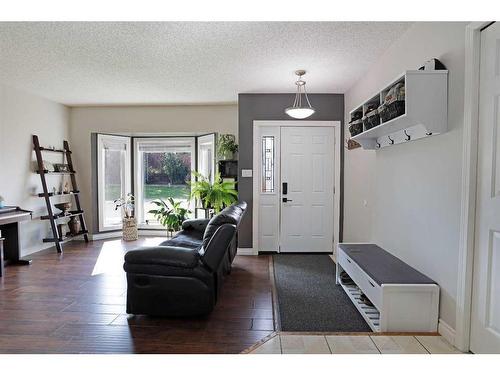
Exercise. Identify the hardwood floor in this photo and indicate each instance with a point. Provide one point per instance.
(75, 303)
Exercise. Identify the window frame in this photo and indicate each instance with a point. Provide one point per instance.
(138, 171)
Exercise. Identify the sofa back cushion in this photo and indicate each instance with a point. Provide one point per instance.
(229, 215)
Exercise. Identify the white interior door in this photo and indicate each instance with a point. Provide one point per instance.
(485, 318)
(307, 183)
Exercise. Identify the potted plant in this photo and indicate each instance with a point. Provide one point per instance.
(216, 195)
(170, 214)
(126, 204)
(227, 147)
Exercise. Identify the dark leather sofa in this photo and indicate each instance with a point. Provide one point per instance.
(183, 276)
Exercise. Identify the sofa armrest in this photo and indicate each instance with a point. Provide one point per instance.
(196, 224)
(164, 255)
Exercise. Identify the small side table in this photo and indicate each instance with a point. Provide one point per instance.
(1, 257)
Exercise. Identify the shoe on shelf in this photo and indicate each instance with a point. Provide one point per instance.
(365, 300)
(345, 279)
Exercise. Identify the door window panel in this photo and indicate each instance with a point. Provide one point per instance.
(206, 156)
(114, 178)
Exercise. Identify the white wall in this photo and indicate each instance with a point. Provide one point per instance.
(412, 189)
(21, 116)
(139, 120)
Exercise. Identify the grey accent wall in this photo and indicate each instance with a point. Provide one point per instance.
(251, 107)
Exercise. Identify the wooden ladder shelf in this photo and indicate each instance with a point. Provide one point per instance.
(66, 152)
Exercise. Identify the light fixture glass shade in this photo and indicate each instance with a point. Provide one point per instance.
(299, 113)
(299, 110)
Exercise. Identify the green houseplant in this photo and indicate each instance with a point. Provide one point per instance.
(226, 146)
(216, 195)
(170, 213)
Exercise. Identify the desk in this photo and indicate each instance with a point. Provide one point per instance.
(10, 217)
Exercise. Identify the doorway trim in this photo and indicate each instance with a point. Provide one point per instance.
(461, 337)
(337, 144)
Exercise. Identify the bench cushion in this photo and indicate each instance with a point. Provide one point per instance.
(383, 267)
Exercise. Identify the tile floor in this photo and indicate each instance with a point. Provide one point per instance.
(284, 343)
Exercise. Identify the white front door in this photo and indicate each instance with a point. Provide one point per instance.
(307, 183)
(485, 319)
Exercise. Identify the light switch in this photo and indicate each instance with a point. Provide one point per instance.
(246, 173)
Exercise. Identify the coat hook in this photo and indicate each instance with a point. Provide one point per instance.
(408, 137)
(378, 144)
(428, 133)
(390, 139)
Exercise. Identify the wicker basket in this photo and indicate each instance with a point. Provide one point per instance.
(391, 110)
(130, 229)
(371, 119)
(356, 127)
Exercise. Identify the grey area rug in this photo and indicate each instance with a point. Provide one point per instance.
(308, 298)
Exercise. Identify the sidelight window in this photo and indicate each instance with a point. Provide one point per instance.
(268, 155)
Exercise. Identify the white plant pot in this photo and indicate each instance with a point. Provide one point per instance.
(130, 232)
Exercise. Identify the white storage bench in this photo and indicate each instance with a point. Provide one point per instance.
(404, 300)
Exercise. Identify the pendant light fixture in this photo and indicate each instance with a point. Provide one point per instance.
(301, 108)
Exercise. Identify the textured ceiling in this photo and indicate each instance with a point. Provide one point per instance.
(82, 63)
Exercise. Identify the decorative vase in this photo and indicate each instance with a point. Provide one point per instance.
(130, 232)
(74, 226)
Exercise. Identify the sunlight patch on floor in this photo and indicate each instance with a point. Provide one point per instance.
(110, 260)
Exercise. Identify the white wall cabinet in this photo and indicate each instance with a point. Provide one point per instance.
(426, 110)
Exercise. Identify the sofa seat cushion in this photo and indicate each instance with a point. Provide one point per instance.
(179, 257)
(191, 239)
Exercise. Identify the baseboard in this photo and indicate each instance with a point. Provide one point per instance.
(152, 232)
(35, 249)
(105, 235)
(246, 251)
(446, 331)
(117, 234)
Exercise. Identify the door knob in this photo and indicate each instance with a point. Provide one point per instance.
(286, 200)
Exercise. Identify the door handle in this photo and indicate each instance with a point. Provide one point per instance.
(286, 200)
(285, 188)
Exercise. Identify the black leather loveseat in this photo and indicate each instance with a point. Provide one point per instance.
(183, 276)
